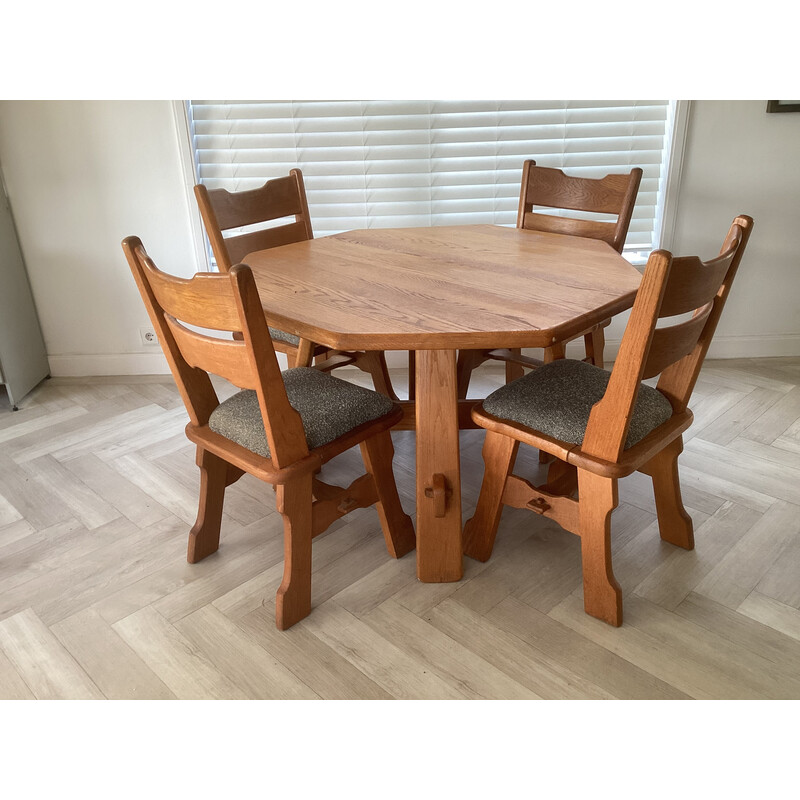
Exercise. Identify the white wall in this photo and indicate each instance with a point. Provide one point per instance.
(80, 177)
(83, 175)
(741, 160)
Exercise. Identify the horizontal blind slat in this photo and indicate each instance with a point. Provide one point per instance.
(388, 163)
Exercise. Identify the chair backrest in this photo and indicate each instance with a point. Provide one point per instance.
(671, 287)
(225, 303)
(222, 210)
(551, 188)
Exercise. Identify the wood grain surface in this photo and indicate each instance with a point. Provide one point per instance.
(450, 287)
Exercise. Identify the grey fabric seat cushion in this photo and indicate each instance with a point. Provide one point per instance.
(556, 399)
(282, 336)
(329, 408)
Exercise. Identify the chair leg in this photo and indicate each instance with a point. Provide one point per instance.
(374, 362)
(293, 601)
(595, 342)
(499, 453)
(305, 353)
(674, 524)
(397, 526)
(412, 374)
(514, 371)
(602, 596)
(562, 478)
(468, 360)
(204, 536)
(323, 356)
(554, 352)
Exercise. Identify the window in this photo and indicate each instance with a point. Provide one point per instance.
(389, 163)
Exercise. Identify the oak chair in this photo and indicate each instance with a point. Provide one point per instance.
(277, 199)
(603, 426)
(281, 428)
(550, 188)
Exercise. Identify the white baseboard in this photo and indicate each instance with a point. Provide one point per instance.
(107, 364)
(723, 347)
(777, 346)
(155, 364)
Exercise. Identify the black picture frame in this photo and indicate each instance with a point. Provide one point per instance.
(782, 106)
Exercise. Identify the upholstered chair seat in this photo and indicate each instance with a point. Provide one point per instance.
(328, 407)
(283, 336)
(556, 400)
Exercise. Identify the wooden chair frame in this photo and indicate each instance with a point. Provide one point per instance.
(670, 287)
(278, 198)
(552, 188)
(230, 302)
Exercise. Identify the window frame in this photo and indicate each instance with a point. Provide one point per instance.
(665, 214)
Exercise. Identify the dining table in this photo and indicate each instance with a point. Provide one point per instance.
(436, 291)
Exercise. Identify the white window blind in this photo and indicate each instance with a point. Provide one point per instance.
(376, 163)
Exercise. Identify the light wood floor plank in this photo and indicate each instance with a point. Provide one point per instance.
(525, 664)
(8, 513)
(14, 531)
(172, 495)
(579, 655)
(767, 611)
(238, 655)
(400, 673)
(106, 482)
(218, 578)
(176, 573)
(755, 474)
(662, 658)
(745, 632)
(37, 504)
(711, 636)
(74, 437)
(776, 419)
(319, 666)
(741, 569)
(59, 594)
(459, 666)
(242, 503)
(736, 374)
(707, 408)
(113, 666)
(12, 687)
(41, 422)
(176, 661)
(41, 660)
(726, 427)
(368, 592)
(637, 490)
(675, 577)
(87, 506)
(769, 452)
(340, 541)
(781, 581)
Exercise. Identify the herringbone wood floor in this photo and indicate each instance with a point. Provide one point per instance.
(98, 489)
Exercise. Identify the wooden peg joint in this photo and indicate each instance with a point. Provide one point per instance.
(440, 493)
(539, 505)
(347, 504)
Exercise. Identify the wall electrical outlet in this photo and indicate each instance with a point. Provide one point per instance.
(149, 337)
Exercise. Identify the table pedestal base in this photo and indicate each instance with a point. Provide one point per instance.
(439, 548)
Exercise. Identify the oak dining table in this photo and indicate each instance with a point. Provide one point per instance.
(436, 291)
